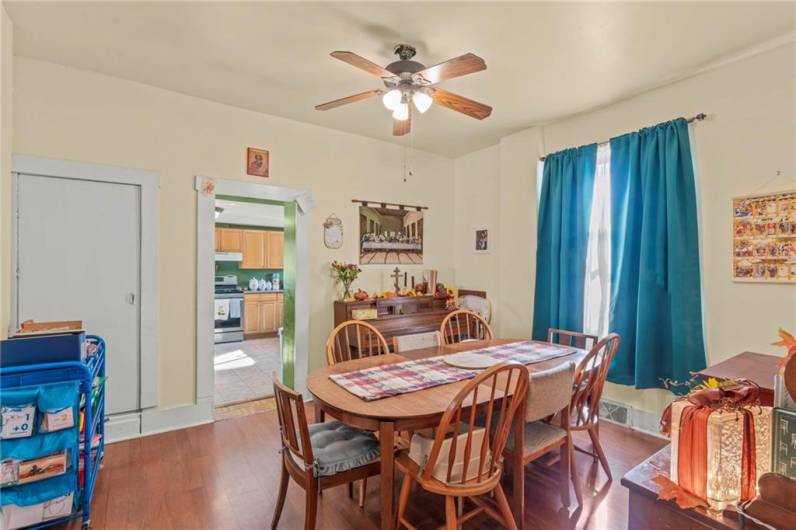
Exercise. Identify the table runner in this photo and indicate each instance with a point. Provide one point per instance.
(410, 376)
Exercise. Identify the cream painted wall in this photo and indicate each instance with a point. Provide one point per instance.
(477, 203)
(62, 112)
(6, 146)
(746, 146)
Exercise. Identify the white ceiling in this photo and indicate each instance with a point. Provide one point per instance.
(251, 213)
(544, 60)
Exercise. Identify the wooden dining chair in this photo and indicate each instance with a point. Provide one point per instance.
(549, 394)
(463, 325)
(469, 464)
(587, 390)
(573, 339)
(354, 339)
(416, 341)
(318, 456)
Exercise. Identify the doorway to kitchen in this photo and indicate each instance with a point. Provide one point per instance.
(252, 320)
(248, 297)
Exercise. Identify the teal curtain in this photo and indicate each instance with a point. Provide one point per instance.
(656, 304)
(562, 237)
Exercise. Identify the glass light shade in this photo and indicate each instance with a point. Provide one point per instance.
(724, 445)
(392, 99)
(422, 101)
(401, 112)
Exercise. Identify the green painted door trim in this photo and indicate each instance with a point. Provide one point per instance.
(289, 279)
(289, 306)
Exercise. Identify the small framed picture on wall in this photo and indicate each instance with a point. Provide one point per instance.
(481, 241)
(257, 162)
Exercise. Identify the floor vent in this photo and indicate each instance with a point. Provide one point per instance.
(615, 412)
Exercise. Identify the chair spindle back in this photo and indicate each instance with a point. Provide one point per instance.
(292, 421)
(354, 339)
(464, 325)
(584, 341)
(416, 341)
(590, 376)
(506, 388)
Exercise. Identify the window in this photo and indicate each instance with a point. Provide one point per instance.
(597, 287)
(597, 281)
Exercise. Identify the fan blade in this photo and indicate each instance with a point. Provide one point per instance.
(458, 66)
(400, 128)
(476, 110)
(344, 101)
(363, 64)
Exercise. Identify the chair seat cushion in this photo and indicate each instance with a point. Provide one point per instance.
(538, 435)
(338, 448)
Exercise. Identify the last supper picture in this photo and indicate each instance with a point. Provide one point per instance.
(390, 235)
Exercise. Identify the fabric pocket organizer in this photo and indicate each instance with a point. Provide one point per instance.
(57, 406)
(40, 455)
(18, 412)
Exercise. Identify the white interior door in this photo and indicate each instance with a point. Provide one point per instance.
(79, 258)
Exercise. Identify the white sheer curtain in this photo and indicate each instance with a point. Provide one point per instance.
(597, 286)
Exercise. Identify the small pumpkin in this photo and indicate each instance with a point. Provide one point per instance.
(360, 295)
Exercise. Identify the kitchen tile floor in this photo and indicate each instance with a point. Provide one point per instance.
(243, 369)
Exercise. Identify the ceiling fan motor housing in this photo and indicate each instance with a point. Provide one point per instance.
(405, 67)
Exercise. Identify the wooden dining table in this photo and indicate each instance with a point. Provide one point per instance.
(413, 411)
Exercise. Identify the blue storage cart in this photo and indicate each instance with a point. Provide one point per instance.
(89, 378)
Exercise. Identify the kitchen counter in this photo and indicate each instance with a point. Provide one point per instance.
(247, 291)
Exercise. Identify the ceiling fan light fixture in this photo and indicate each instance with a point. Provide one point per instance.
(392, 98)
(401, 112)
(422, 100)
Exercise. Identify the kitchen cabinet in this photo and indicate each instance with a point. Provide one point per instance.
(254, 243)
(280, 313)
(275, 250)
(262, 249)
(231, 240)
(262, 313)
(251, 316)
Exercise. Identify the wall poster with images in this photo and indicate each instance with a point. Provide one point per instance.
(390, 235)
(764, 238)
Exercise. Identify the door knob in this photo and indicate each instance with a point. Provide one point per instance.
(131, 298)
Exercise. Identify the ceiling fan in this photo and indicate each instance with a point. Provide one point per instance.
(407, 81)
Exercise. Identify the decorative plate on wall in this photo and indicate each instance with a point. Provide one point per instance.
(333, 232)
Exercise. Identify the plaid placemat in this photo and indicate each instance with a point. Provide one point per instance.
(410, 376)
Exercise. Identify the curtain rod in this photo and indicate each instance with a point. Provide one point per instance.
(699, 117)
(383, 204)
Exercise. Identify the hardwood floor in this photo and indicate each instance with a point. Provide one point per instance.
(225, 476)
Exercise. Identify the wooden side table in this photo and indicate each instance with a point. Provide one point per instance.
(758, 367)
(647, 512)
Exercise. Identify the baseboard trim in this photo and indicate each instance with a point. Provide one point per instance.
(155, 421)
(120, 427)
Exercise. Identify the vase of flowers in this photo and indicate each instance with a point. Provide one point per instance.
(345, 273)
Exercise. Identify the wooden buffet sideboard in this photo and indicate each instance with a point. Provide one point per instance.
(402, 315)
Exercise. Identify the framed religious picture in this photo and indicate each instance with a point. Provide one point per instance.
(390, 235)
(764, 238)
(481, 241)
(257, 162)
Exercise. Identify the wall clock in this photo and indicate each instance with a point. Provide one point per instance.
(333, 232)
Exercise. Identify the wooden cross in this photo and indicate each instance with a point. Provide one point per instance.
(396, 274)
